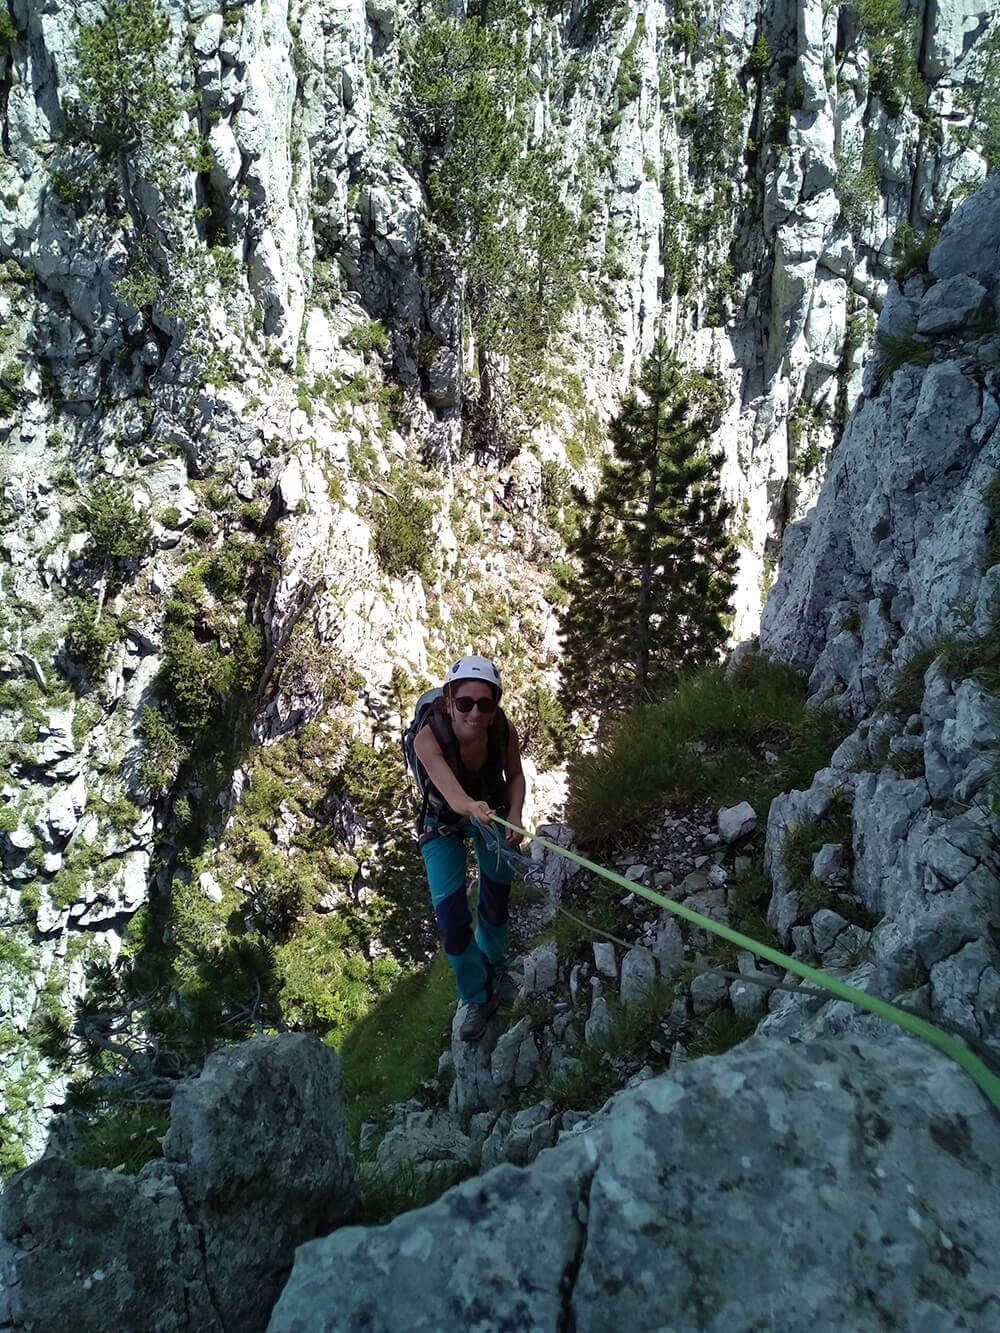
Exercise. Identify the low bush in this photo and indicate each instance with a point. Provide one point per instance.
(370, 337)
(544, 730)
(403, 535)
(88, 640)
(118, 531)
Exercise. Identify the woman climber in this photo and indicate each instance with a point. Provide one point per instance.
(472, 759)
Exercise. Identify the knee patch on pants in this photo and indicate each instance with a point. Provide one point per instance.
(494, 899)
(454, 922)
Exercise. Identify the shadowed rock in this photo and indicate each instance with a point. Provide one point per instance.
(256, 1162)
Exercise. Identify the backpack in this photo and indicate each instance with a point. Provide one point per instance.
(425, 712)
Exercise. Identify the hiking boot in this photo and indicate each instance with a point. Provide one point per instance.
(506, 989)
(476, 1018)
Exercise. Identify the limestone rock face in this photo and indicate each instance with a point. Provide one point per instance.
(885, 1150)
(894, 549)
(256, 1162)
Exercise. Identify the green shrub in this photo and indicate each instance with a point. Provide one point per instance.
(403, 535)
(163, 754)
(8, 33)
(117, 529)
(202, 526)
(893, 41)
(89, 640)
(124, 77)
(760, 56)
(326, 981)
(370, 337)
(544, 730)
(858, 186)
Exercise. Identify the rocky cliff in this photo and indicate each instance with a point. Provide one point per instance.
(831, 1168)
(233, 336)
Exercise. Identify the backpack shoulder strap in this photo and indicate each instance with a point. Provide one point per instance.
(445, 736)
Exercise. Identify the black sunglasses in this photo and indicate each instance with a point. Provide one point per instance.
(465, 705)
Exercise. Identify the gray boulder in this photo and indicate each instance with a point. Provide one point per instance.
(638, 975)
(886, 1149)
(256, 1162)
(95, 1250)
(541, 969)
(735, 820)
(969, 240)
(953, 303)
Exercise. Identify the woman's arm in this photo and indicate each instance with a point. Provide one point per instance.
(429, 753)
(516, 786)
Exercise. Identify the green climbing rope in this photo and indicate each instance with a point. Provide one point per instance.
(920, 1027)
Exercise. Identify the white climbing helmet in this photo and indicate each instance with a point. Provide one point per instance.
(474, 668)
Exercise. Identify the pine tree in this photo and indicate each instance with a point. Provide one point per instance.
(656, 563)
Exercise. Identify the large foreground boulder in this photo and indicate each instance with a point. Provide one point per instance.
(256, 1162)
(845, 1183)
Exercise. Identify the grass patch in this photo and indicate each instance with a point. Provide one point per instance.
(749, 896)
(905, 347)
(384, 1194)
(908, 688)
(397, 1044)
(125, 1138)
(805, 840)
(646, 759)
(721, 1031)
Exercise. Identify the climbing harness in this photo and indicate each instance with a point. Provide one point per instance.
(920, 1027)
(530, 870)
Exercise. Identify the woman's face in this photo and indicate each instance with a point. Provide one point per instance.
(475, 721)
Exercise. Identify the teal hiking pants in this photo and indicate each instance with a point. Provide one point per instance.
(474, 959)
